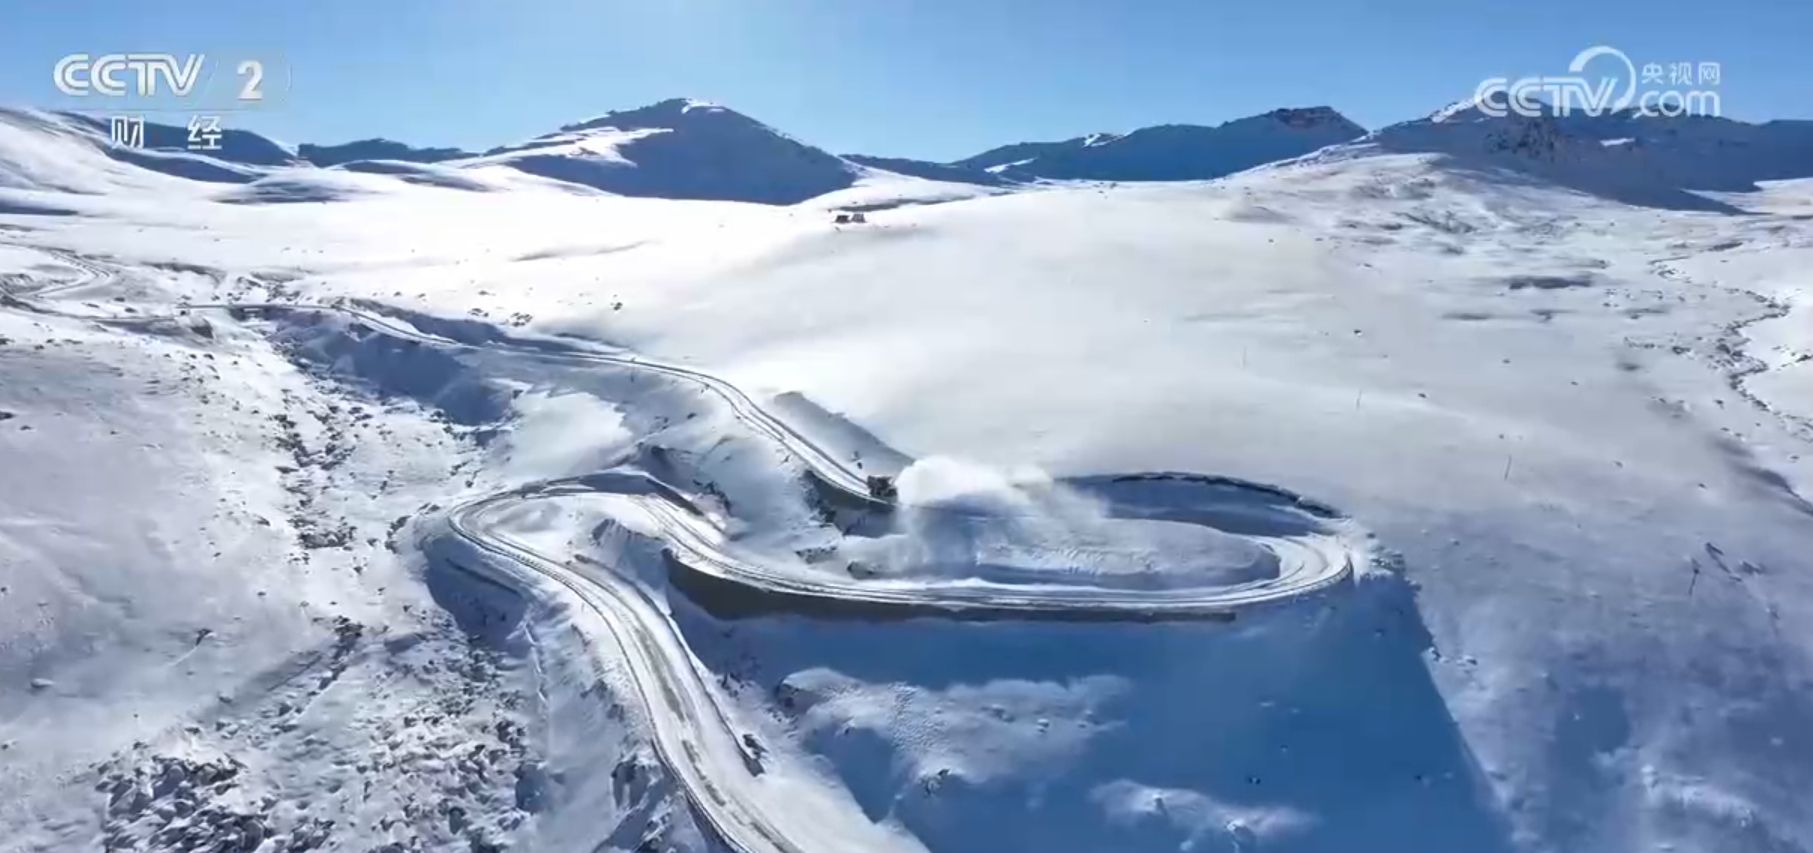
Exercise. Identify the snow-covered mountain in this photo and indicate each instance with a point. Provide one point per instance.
(929, 170)
(1174, 152)
(683, 148)
(688, 149)
(376, 149)
(1651, 160)
(680, 148)
(1019, 153)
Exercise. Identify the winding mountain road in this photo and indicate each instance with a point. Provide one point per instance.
(774, 803)
(755, 803)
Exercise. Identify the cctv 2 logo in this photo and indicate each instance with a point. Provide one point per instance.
(114, 74)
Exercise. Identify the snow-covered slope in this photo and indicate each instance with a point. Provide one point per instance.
(1526, 391)
(63, 153)
(236, 145)
(243, 156)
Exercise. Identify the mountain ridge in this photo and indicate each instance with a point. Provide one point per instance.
(1176, 151)
(686, 148)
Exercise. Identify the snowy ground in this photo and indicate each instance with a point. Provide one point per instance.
(204, 595)
(1578, 429)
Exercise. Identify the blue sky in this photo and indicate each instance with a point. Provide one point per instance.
(924, 78)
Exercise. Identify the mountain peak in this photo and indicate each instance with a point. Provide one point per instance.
(1308, 116)
(681, 148)
(667, 114)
